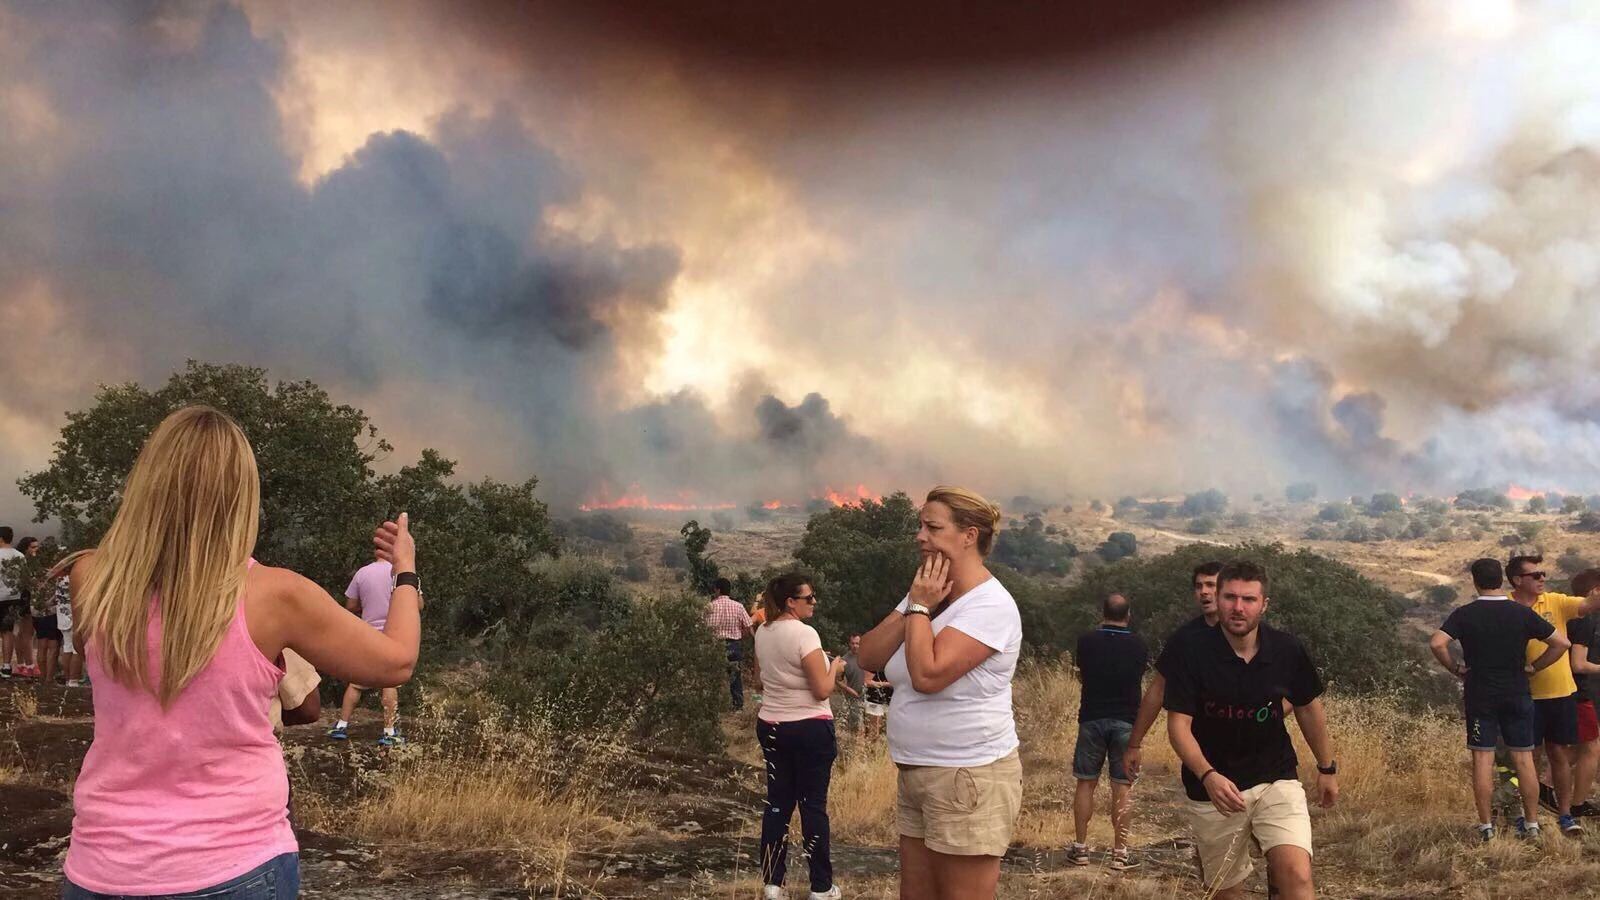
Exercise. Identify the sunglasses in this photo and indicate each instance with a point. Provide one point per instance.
(809, 598)
(1538, 575)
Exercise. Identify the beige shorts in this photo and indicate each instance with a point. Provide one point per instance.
(1274, 814)
(961, 811)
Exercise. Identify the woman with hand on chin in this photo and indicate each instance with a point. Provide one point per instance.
(950, 649)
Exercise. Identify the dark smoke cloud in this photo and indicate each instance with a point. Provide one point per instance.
(174, 225)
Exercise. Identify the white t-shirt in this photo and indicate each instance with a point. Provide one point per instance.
(10, 589)
(785, 692)
(968, 723)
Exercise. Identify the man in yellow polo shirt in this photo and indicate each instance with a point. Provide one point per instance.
(1555, 701)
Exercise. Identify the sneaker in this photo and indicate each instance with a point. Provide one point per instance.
(389, 740)
(773, 892)
(1122, 860)
(1526, 829)
(1485, 832)
(1585, 809)
(338, 733)
(829, 894)
(5, 671)
(74, 682)
(1569, 825)
(1078, 854)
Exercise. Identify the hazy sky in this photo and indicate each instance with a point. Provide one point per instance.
(1351, 242)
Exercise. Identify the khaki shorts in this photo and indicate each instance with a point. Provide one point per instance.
(1274, 814)
(961, 811)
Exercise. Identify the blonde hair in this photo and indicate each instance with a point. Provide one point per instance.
(184, 531)
(969, 510)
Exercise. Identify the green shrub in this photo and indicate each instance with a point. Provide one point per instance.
(1350, 623)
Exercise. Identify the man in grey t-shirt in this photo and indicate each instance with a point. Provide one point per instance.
(855, 682)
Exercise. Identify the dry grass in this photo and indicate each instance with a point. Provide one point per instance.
(491, 783)
(1401, 828)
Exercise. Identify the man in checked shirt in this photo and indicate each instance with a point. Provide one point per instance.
(730, 622)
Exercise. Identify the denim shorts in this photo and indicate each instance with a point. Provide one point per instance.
(276, 879)
(1098, 739)
(1509, 720)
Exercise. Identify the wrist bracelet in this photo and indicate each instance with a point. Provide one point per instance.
(1208, 773)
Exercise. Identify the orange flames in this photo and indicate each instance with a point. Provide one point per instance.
(851, 497)
(772, 504)
(1518, 492)
(634, 498)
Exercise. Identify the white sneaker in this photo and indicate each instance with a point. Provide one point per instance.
(831, 894)
(773, 892)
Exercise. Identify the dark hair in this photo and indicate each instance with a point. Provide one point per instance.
(722, 586)
(1487, 574)
(1585, 582)
(782, 589)
(1244, 570)
(851, 636)
(6, 534)
(26, 542)
(1115, 608)
(1515, 564)
(1205, 568)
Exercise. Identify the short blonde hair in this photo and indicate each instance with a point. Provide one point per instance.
(969, 510)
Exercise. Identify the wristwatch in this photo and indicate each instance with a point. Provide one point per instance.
(917, 609)
(1332, 769)
(400, 578)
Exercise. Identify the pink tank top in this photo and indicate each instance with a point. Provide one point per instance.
(178, 800)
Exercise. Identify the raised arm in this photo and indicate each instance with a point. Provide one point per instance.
(339, 644)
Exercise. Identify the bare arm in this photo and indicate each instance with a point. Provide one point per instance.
(936, 662)
(353, 604)
(1439, 643)
(1555, 646)
(1224, 794)
(1590, 603)
(820, 676)
(342, 645)
(1149, 707)
(881, 642)
(1313, 721)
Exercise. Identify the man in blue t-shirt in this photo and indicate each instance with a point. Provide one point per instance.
(1498, 706)
(1111, 660)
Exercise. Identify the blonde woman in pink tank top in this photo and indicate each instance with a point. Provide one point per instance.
(183, 792)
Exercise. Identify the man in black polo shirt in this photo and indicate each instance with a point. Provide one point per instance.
(1494, 633)
(1111, 660)
(1224, 701)
(1203, 581)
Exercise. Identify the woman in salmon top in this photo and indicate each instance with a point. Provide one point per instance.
(184, 790)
